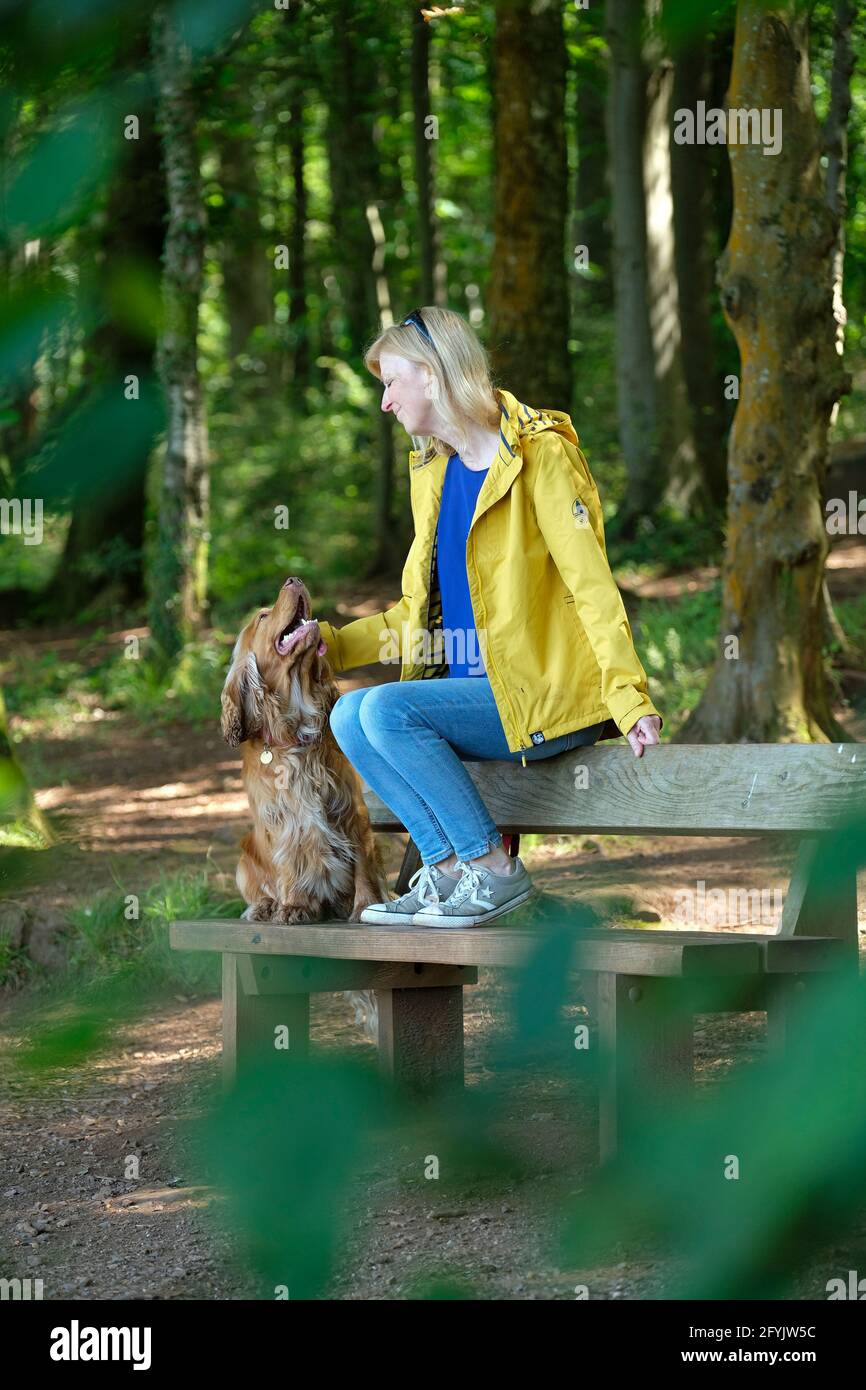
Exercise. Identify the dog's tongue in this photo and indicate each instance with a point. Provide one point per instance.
(287, 641)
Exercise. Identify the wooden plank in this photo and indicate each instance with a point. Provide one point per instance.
(645, 1053)
(786, 997)
(639, 952)
(312, 975)
(421, 1038)
(250, 1022)
(674, 789)
(817, 907)
(779, 956)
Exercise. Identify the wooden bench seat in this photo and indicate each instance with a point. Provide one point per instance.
(649, 982)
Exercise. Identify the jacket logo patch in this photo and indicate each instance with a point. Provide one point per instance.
(537, 737)
(579, 512)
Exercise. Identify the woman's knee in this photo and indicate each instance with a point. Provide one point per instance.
(344, 717)
(378, 712)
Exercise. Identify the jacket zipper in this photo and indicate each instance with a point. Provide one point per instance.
(429, 587)
(504, 687)
(430, 581)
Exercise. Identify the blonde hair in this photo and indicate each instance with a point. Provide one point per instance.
(460, 372)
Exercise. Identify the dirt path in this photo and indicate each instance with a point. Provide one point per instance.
(69, 1217)
(148, 803)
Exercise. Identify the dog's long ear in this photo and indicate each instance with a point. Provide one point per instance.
(243, 701)
(233, 715)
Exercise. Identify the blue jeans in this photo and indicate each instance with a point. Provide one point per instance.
(407, 739)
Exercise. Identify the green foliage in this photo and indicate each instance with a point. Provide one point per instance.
(118, 941)
(310, 444)
(188, 689)
(46, 689)
(315, 470)
(310, 1125)
(107, 941)
(678, 643)
(16, 967)
(666, 544)
(851, 613)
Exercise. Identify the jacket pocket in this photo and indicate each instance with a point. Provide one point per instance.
(578, 626)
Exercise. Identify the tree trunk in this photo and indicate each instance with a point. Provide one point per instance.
(679, 479)
(105, 541)
(592, 222)
(388, 551)
(635, 358)
(691, 187)
(296, 365)
(246, 272)
(352, 86)
(529, 283)
(299, 326)
(776, 276)
(179, 579)
(421, 110)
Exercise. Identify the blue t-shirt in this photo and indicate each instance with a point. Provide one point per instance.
(459, 496)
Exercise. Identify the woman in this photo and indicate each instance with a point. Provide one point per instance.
(508, 535)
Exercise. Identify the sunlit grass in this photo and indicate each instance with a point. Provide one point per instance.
(47, 692)
(121, 935)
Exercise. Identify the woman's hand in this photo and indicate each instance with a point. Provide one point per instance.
(645, 731)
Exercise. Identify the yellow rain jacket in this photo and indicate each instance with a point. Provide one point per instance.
(552, 629)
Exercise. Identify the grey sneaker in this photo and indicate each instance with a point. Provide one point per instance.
(480, 895)
(427, 887)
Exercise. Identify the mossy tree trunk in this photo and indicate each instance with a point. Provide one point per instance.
(178, 592)
(777, 282)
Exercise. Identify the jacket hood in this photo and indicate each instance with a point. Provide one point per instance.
(520, 421)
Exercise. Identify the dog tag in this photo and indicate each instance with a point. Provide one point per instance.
(266, 756)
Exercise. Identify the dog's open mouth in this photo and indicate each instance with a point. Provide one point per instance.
(291, 635)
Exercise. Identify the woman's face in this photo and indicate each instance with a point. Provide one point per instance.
(407, 393)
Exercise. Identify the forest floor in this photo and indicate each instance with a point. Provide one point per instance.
(147, 804)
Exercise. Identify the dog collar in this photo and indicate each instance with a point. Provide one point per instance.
(266, 756)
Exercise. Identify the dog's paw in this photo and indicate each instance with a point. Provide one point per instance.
(290, 915)
(262, 911)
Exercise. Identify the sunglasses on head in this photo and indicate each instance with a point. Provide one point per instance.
(415, 317)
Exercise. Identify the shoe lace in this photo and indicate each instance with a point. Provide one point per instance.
(470, 880)
(425, 877)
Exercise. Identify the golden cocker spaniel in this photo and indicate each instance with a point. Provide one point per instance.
(311, 854)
